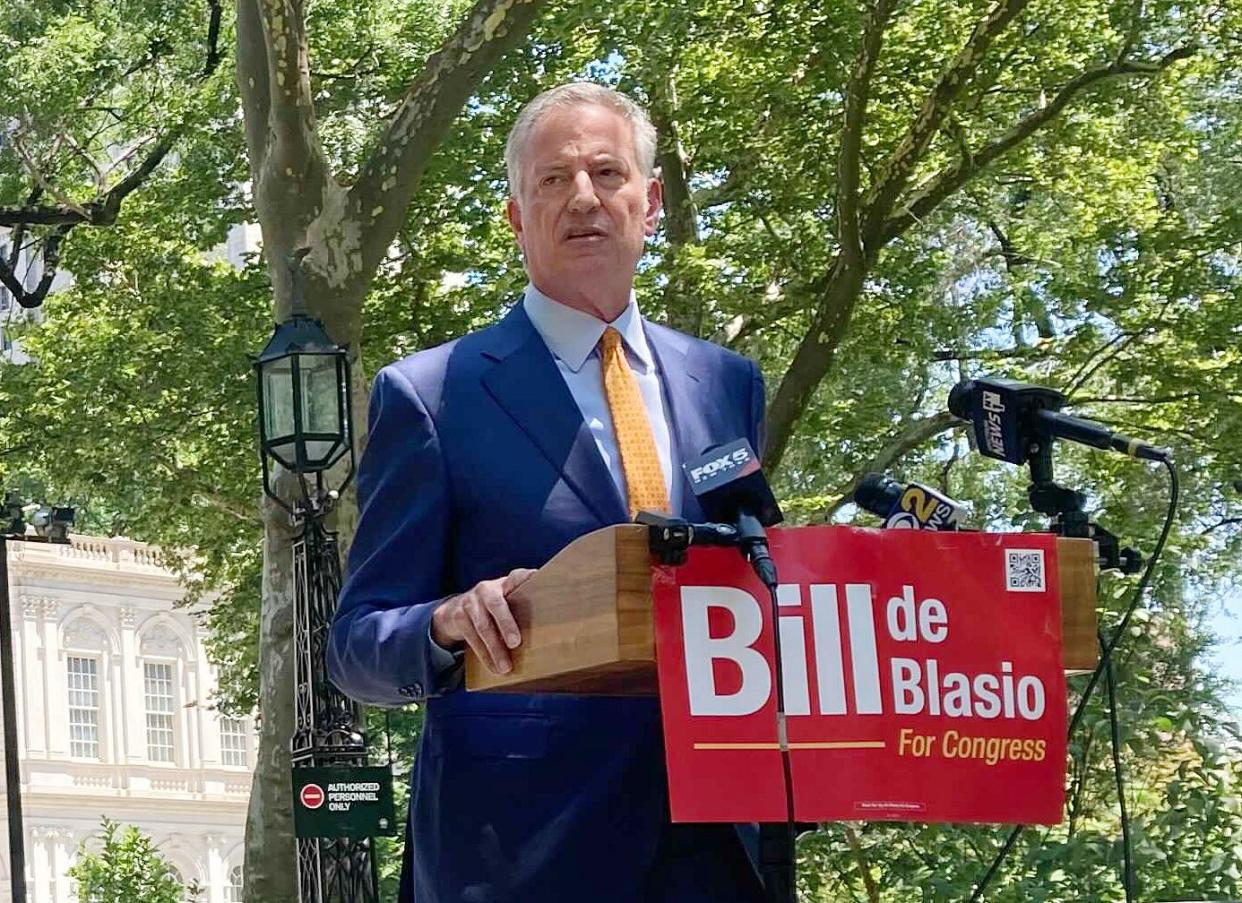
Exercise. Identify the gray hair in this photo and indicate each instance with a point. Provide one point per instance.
(573, 95)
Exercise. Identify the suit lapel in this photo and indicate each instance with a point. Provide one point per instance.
(525, 382)
(685, 385)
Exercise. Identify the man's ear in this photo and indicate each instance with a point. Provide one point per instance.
(655, 202)
(513, 213)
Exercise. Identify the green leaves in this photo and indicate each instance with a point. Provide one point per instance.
(123, 864)
(1099, 255)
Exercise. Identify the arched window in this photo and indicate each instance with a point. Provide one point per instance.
(83, 682)
(233, 889)
(85, 647)
(162, 650)
(191, 893)
(158, 684)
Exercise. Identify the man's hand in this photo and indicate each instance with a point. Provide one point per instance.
(481, 619)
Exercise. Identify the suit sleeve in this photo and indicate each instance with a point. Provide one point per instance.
(758, 421)
(379, 646)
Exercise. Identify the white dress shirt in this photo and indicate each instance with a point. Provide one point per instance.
(573, 336)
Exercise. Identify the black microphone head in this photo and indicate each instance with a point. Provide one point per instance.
(1001, 411)
(727, 479)
(960, 399)
(877, 493)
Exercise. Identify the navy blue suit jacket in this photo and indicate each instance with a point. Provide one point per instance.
(479, 462)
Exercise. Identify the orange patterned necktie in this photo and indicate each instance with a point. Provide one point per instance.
(644, 478)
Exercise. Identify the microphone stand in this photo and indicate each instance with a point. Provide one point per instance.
(1064, 506)
(669, 538)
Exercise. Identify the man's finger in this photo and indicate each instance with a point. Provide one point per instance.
(481, 618)
(476, 646)
(516, 578)
(498, 605)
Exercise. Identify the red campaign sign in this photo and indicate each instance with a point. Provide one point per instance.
(922, 672)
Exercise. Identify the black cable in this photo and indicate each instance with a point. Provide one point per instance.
(1110, 684)
(777, 842)
(1106, 655)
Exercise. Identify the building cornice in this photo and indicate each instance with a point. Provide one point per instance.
(93, 559)
(38, 804)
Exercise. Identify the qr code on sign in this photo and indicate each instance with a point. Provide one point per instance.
(1024, 570)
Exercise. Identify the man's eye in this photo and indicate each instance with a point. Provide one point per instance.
(549, 180)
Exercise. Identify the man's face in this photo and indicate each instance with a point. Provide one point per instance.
(585, 208)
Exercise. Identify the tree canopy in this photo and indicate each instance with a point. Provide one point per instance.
(123, 864)
(873, 200)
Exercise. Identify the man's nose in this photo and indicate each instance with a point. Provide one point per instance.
(584, 199)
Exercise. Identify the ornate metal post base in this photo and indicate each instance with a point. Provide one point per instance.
(326, 722)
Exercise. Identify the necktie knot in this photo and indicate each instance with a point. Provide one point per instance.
(610, 341)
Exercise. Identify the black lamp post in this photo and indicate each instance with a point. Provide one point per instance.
(304, 429)
(51, 525)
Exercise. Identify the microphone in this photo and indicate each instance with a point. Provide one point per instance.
(911, 507)
(732, 489)
(1010, 416)
(669, 537)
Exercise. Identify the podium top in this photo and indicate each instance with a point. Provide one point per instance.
(586, 624)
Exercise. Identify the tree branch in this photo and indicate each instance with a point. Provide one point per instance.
(213, 38)
(110, 207)
(839, 288)
(291, 110)
(1224, 522)
(102, 211)
(36, 173)
(681, 215)
(728, 190)
(936, 189)
(51, 260)
(18, 235)
(980, 354)
(915, 434)
(864, 867)
(388, 180)
(895, 172)
(252, 81)
(1158, 399)
(1113, 349)
(1014, 261)
(681, 219)
(101, 178)
(857, 91)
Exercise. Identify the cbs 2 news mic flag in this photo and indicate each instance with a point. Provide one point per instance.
(934, 693)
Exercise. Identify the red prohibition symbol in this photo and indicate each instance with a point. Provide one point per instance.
(312, 796)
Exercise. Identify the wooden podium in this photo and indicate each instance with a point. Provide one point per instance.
(586, 624)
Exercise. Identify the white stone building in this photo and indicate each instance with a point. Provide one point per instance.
(114, 711)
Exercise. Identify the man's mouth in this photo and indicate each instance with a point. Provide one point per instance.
(584, 234)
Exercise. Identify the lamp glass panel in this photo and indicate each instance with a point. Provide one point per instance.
(318, 451)
(278, 399)
(285, 452)
(321, 409)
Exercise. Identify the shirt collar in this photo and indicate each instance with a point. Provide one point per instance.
(571, 335)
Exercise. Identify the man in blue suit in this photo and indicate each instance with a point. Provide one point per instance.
(486, 457)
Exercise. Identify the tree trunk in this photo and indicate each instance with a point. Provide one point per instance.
(270, 872)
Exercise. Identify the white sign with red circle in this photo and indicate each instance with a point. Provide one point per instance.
(312, 796)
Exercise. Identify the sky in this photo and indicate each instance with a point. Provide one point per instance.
(1226, 660)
